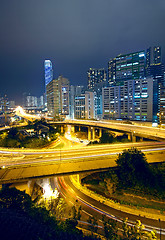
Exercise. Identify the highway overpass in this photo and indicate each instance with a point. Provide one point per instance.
(132, 130)
(30, 165)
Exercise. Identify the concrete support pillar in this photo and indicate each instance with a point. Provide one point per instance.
(131, 137)
(72, 129)
(78, 178)
(100, 132)
(62, 129)
(93, 133)
(89, 133)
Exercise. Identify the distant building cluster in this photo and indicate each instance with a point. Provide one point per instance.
(133, 87)
(32, 102)
(6, 105)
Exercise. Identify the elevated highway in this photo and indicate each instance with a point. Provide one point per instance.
(22, 166)
(134, 130)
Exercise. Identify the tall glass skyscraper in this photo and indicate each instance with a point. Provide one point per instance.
(48, 72)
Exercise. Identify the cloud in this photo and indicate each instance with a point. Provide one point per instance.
(75, 34)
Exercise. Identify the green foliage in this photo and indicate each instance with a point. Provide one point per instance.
(107, 137)
(110, 229)
(136, 231)
(133, 168)
(20, 217)
(93, 224)
(12, 198)
(17, 138)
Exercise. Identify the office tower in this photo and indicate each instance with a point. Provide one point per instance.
(85, 105)
(53, 98)
(48, 72)
(79, 109)
(98, 89)
(161, 113)
(112, 71)
(154, 66)
(111, 102)
(96, 76)
(57, 93)
(153, 57)
(64, 95)
(125, 67)
(135, 99)
(71, 101)
(74, 91)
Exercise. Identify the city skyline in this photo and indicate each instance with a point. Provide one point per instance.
(74, 36)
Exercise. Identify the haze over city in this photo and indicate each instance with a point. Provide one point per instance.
(74, 35)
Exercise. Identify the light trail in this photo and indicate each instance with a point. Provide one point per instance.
(102, 212)
(14, 163)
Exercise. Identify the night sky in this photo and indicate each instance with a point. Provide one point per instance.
(74, 34)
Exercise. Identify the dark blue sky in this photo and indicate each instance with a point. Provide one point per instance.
(74, 35)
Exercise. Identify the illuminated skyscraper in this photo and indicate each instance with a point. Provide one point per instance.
(48, 72)
(57, 93)
(154, 66)
(126, 67)
(96, 76)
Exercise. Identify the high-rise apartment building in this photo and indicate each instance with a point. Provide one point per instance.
(48, 72)
(57, 93)
(96, 76)
(32, 102)
(53, 98)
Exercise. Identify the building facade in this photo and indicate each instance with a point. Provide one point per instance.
(57, 93)
(96, 76)
(53, 98)
(48, 72)
(135, 100)
(85, 106)
(126, 67)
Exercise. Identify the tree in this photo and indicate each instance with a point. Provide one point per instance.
(133, 168)
(110, 229)
(136, 232)
(93, 224)
(15, 199)
(107, 137)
